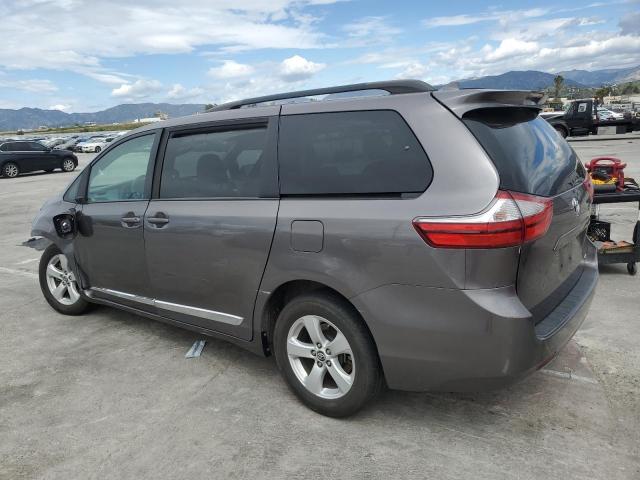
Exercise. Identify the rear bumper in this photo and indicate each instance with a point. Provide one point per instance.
(468, 340)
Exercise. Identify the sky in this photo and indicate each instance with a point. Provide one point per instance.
(88, 55)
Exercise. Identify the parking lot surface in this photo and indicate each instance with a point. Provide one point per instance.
(111, 395)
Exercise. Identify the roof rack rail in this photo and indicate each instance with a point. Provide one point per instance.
(393, 87)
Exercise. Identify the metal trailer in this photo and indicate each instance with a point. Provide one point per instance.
(601, 230)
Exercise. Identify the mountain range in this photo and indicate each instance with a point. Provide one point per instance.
(536, 80)
(31, 118)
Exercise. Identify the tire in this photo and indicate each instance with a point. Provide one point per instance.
(333, 322)
(55, 276)
(631, 268)
(97, 150)
(68, 165)
(10, 170)
(562, 131)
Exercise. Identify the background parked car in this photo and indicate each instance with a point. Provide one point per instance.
(606, 114)
(96, 144)
(25, 156)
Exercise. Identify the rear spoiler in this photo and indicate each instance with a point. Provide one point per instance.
(461, 102)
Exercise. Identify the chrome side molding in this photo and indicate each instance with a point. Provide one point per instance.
(173, 307)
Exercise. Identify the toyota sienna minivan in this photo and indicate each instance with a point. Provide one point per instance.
(384, 233)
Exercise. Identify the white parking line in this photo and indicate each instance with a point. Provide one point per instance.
(29, 260)
(568, 376)
(13, 271)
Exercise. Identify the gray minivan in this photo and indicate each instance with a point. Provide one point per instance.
(382, 233)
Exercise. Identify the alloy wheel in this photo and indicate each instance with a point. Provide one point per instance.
(11, 170)
(68, 165)
(321, 357)
(61, 281)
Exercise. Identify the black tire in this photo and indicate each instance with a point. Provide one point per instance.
(68, 165)
(632, 268)
(10, 170)
(97, 150)
(78, 307)
(561, 130)
(367, 375)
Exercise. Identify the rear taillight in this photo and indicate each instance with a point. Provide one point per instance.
(512, 219)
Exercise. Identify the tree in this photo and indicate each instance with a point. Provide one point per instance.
(558, 83)
(208, 106)
(602, 92)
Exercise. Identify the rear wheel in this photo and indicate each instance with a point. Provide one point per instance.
(58, 283)
(326, 354)
(562, 131)
(10, 170)
(68, 165)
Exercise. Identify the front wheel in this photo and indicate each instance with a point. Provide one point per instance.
(68, 165)
(97, 150)
(58, 283)
(326, 354)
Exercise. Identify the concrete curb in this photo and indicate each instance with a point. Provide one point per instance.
(602, 138)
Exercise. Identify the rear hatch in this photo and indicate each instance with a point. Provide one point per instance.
(531, 158)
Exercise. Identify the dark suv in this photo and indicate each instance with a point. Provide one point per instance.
(430, 240)
(25, 156)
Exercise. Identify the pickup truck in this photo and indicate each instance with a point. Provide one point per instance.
(581, 117)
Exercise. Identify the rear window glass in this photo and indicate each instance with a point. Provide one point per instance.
(347, 153)
(530, 156)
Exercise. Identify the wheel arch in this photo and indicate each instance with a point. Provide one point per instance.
(283, 294)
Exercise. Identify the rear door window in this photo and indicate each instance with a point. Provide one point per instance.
(350, 153)
(528, 153)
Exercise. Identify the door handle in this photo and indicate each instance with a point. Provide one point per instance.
(130, 221)
(159, 220)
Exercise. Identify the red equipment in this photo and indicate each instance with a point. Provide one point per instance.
(609, 166)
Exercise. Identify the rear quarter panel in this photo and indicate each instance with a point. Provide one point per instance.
(372, 242)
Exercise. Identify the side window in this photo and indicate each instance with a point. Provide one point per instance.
(346, 153)
(121, 174)
(72, 192)
(221, 163)
(36, 147)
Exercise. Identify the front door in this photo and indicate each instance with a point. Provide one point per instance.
(109, 247)
(209, 227)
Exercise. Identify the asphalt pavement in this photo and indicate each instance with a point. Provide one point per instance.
(110, 395)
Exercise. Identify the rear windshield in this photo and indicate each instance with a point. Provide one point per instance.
(530, 156)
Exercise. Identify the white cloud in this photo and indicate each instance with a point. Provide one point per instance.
(510, 47)
(297, 68)
(32, 38)
(59, 106)
(231, 69)
(139, 89)
(413, 70)
(31, 85)
(370, 26)
(179, 92)
(503, 16)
